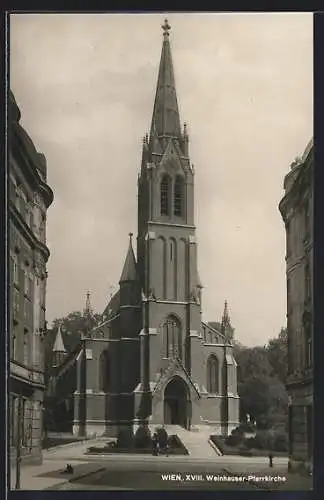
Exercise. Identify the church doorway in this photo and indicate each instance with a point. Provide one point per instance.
(177, 403)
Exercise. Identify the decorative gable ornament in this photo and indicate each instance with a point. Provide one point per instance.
(175, 368)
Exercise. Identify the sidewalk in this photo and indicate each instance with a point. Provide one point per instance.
(291, 482)
(76, 449)
(47, 475)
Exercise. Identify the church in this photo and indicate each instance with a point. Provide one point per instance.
(153, 359)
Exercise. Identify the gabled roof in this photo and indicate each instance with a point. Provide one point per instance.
(214, 326)
(113, 305)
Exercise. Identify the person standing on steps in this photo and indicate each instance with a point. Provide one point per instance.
(155, 444)
(163, 439)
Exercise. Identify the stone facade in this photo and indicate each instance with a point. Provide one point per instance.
(29, 197)
(153, 359)
(297, 211)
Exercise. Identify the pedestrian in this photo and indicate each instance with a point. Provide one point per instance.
(270, 459)
(163, 439)
(155, 444)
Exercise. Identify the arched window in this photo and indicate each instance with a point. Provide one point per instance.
(212, 375)
(173, 266)
(165, 195)
(172, 338)
(104, 372)
(178, 196)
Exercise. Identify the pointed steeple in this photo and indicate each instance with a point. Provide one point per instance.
(59, 352)
(225, 318)
(166, 119)
(129, 270)
(59, 344)
(226, 326)
(88, 309)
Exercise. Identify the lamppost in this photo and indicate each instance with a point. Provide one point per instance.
(43, 333)
(19, 441)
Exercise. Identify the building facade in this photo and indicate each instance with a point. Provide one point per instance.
(297, 211)
(153, 359)
(29, 197)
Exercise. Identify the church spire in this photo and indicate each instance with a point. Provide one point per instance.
(166, 119)
(88, 309)
(227, 329)
(129, 270)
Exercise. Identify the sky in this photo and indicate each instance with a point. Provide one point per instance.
(85, 84)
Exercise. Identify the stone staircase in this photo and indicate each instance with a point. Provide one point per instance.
(195, 441)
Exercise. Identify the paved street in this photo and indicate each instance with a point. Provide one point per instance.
(146, 480)
(145, 472)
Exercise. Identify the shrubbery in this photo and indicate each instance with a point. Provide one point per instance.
(263, 442)
(280, 442)
(125, 438)
(143, 438)
(250, 443)
(247, 427)
(234, 440)
(236, 437)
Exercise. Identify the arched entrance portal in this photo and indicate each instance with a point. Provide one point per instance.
(177, 404)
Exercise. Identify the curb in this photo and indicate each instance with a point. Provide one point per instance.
(66, 445)
(86, 474)
(215, 448)
(76, 478)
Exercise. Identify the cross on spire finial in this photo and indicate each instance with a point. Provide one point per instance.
(130, 237)
(166, 28)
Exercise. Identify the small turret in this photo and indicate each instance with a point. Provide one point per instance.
(226, 326)
(129, 272)
(88, 316)
(129, 283)
(59, 351)
(87, 311)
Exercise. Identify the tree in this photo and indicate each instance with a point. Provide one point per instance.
(72, 327)
(261, 382)
(277, 350)
(265, 400)
(76, 323)
(252, 363)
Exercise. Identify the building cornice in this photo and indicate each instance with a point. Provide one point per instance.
(23, 156)
(171, 224)
(27, 232)
(301, 179)
(26, 374)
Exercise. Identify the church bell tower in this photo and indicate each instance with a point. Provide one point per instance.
(166, 242)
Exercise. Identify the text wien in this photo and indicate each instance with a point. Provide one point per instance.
(182, 477)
